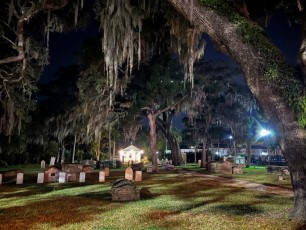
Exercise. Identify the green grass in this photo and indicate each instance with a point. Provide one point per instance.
(180, 201)
(257, 174)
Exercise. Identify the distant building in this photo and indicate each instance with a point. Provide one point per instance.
(130, 154)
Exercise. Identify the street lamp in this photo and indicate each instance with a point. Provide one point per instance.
(264, 132)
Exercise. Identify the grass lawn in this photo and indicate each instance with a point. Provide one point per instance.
(180, 201)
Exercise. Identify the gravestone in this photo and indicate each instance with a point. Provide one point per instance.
(124, 190)
(237, 169)
(82, 177)
(129, 173)
(199, 163)
(52, 161)
(280, 177)
(19, 179)
(52, 174)
(88, 169)
(286, 172)
(226, 167)
(62, 177)
(72, 171)
(138, 176)
(149, 168)
(0, 179)
(42, 164)
(106, 171)
(40, 178)
(102, 176)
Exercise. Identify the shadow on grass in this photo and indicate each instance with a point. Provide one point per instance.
(55, 212)
(237, 209)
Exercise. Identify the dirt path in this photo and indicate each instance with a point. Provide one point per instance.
(241, 184)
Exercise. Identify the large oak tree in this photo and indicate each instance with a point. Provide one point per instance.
(268, 76)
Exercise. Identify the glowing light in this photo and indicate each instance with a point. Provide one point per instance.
(264, 132)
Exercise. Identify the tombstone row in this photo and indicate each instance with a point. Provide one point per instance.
(62, 177)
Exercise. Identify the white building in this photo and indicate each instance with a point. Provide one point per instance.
(130, 154)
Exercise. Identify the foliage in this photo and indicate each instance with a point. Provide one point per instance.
(275, 69)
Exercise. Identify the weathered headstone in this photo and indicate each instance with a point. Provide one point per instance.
(286, 172)
(40, 178)
(88, 169)
(138, 176)
(19, 179)
(214, 167)
(280, 177)
(226, 167)
(42, 164)
(102, 176)
(149, 168)
(0, 179)
(52, 161)
(106, 171)
(237, 169)
(52, 174)
(199, 163)
(62, 177)
(124, 190)
(82, 177)
(129, 173)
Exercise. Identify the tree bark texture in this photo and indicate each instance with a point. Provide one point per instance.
(204, 155)
(226, 36)
(165, 127)
(152, 121)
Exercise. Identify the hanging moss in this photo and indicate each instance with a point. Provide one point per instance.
(275, 69)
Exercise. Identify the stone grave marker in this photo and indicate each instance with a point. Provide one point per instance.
(52, 161)
(40, 178)
(129, 173)
(199, 163)
(62, 177)
(124, 190)
(106, 171)
(0, 179)
(138, 176)
(19, 179)
(280, 177)
(226, 167)
(82, 177)
(102, 176)
(149, 168)
(42, 164)
(52, 174)
(237, 169)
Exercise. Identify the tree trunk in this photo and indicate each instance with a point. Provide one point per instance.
(227, 37)
(174, 149)
(248, 151)
(152, 121)
(165, 126)
(204, 155)
(74, 146)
